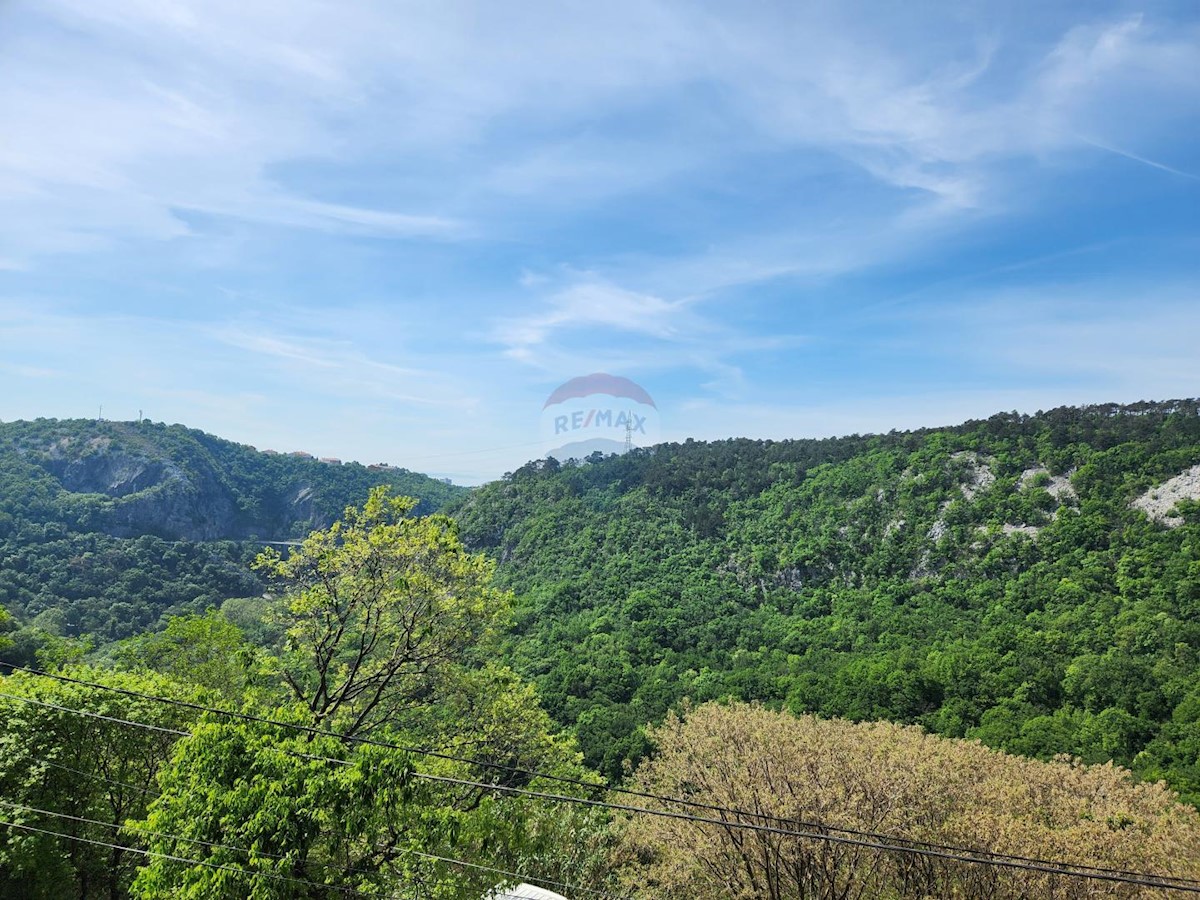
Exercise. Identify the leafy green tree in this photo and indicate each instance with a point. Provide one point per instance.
(270, 818)
(383, 615)
(6, 625)
(58, 761)
(206, 650)
(376, 608)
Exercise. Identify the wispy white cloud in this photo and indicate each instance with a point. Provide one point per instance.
(591, 325)
(187, 106)
(183, 358)
(654, 168)
(937, 130)
(141, 111)
(339, 367)
(591, 303)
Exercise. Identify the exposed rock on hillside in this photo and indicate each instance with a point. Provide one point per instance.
(1159, 502)
(978, 476)
(133, 478)
(1057, 486)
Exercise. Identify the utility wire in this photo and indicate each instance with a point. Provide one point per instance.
(324, 732)
(1059, 868)
(1162, 882)
(93, 715)
(183, 859)
(161, 834)
(591, 786)
(216, 846)
(93, 775)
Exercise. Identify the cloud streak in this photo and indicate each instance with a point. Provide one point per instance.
(595, 305)
(347, 214)
(190, 106)
(1162, 167)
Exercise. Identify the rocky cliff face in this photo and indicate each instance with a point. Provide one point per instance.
(115, 474)
(178, 506)
(144, 495)
(1160, 502)
(126, 487)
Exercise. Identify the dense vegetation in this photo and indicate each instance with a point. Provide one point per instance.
(989, 581)
(108, 527)
(1001, 580)
(878, 778)
(117, 783)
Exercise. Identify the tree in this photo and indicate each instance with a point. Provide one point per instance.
(270, 813)
(268, 817)
(376, 608)
(206, 650)
(894, 780)
(383, 617)
(54, 760)
(5, 625)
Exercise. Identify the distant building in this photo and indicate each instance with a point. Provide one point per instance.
(300, 454)
(271, 452)
(379, 467)
(331, 461)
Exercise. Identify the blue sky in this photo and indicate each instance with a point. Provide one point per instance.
(386, 231)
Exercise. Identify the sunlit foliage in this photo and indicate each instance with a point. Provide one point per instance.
(895, 780)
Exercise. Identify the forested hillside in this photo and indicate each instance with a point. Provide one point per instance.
(385, 710)
(107, 526)
(376, 744)
(1032, 581)
(194, 763)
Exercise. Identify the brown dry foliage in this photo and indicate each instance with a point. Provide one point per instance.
(896, 780)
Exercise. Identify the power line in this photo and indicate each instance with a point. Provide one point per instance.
(177, 837)
(323, 732)
(93, 775)
(1145, 879)
(217, 846)
(591, 786)
(1162, 882)
(93, 715)
(183, 859)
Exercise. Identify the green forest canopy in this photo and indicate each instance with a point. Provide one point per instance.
(991, 581)
(107, 528)
(126, 782)
(199, 764)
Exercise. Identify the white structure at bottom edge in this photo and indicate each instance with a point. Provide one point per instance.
(524, 892)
